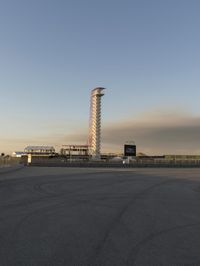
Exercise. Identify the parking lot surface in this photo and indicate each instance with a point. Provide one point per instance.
(86, 217)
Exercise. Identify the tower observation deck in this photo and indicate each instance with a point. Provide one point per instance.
(94, 140)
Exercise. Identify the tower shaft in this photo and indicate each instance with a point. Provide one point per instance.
(95, 122)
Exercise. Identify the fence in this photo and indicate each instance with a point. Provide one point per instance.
(137, 163)
(6, 161)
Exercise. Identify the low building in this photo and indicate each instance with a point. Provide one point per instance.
(75, 152)
(18, 154)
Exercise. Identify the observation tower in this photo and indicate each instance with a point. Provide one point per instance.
(94, 140)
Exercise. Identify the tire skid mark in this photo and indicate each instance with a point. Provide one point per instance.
(39, 188)
(60, 203)
(71, 196)
(12, 243)
(52, 177)
(11, 170)
(27, 201)
(53, 196)
(137, 248)
(117, 219)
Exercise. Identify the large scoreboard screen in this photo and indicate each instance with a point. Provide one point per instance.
(129, 150)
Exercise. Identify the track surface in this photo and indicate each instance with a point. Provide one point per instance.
(108, 217)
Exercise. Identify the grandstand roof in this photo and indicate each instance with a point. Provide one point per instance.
(39, 148)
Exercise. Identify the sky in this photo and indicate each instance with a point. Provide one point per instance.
(145, 53)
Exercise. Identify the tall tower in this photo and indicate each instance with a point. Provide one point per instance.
(94, 140)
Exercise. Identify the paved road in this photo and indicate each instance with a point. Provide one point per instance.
(86, 217)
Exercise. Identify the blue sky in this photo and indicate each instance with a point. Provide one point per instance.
(53, 52)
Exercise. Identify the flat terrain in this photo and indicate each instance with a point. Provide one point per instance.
(86, 217)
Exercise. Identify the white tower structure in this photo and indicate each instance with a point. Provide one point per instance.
(94, 140)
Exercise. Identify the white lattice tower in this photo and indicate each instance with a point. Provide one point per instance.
(94, 140)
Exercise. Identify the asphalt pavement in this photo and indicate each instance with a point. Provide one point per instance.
(108, 217)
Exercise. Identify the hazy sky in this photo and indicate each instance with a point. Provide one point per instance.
(145, 52)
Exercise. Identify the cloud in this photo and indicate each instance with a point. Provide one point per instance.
(77, 138)
(155, 132)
